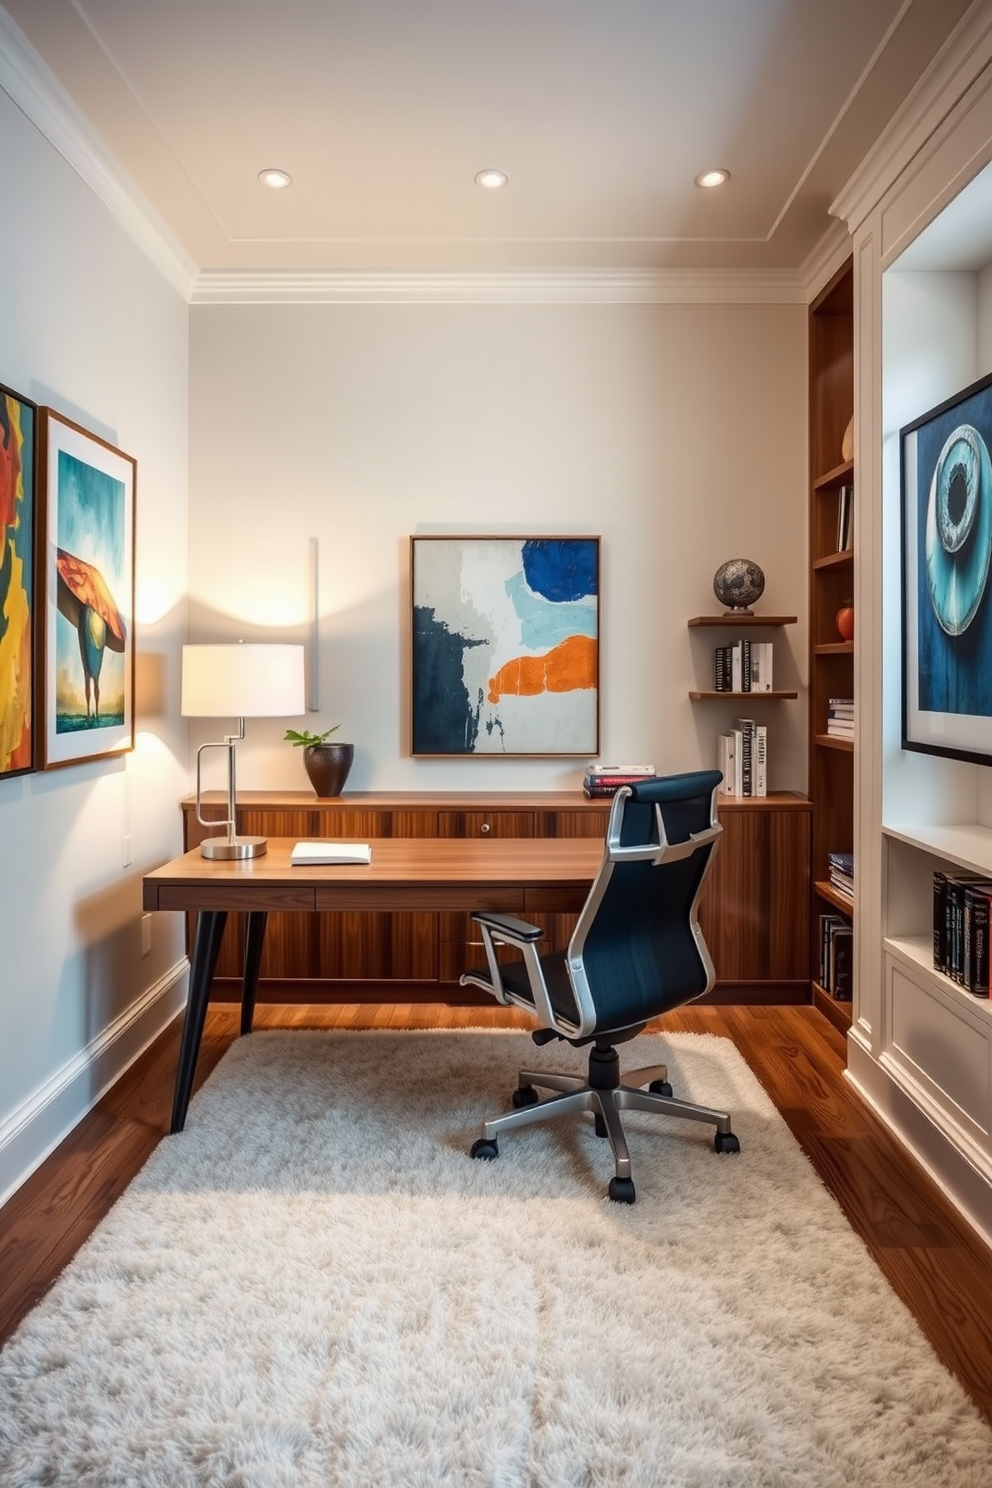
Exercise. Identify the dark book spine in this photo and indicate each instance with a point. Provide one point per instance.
(746, 671)
(977, 980)
(940, 921)
(843, 977)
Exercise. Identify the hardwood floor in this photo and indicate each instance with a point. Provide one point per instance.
(935, 1262)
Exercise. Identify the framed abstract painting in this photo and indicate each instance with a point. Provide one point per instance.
(87, 594)
(946, 601)
(18, 462)
(505, 646)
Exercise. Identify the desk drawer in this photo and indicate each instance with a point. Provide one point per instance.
(487, 824)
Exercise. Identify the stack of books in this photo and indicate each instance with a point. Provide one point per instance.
(746, 666)
(836, 956)
(840, 717)
(961, 913)
(840, 866)
(606, 780)
(742, 759)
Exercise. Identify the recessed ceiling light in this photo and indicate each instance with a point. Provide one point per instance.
(710, 178)
(277, 179)
(491, 179)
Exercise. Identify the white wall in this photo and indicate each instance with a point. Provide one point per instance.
(88, 326)
(677, 432)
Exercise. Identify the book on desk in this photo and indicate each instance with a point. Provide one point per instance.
(310, 854)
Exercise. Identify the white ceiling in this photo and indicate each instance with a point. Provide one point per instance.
(383, 111)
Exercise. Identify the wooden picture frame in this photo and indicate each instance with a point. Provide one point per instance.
(86, 594)
(18, 598)
(946, 490)
(505, 646)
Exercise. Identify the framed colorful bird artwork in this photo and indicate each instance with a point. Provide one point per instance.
(86, 583)
(18, 424)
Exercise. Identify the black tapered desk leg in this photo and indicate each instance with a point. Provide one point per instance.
(253, 960)
(206, 948)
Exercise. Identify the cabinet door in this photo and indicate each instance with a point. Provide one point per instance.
(371, 946)
(755, 906)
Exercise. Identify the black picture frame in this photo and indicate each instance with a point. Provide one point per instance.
(946, 537)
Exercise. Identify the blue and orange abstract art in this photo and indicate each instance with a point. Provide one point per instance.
(17, 516)
(505, 645)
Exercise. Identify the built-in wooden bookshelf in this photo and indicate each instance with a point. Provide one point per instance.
(831, 580)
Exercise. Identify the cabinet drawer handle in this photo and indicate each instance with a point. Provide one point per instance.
(484, 827)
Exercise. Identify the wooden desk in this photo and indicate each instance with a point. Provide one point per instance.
(516, 876)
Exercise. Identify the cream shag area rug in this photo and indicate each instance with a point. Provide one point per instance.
(315, 1285)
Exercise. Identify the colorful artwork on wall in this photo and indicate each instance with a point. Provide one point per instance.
(88, 594)
(18, 422)
(505, 645)
(947, 584)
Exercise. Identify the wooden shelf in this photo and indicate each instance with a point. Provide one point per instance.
(831, 479)
(699, 697)
(836, 1009)
(834, 648)
(833, 741)
(742, 620)
(843, 559)
(834, 896)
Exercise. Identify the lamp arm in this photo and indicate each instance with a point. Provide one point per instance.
(229, 742)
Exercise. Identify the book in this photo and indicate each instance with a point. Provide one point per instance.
(608, 785)
(309, 854)
(845, 518)
(954, 922)
(842, 860)
(761, 760)
(761, 666)
(746, 727)
(736, 667)
(827, 924)
(841, 962)
(595, 768)
(727, 764)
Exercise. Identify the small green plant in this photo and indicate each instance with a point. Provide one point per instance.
(306, 740)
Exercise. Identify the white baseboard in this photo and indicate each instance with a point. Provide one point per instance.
(36, 1127)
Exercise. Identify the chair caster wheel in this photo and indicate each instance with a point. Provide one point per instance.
(601, 1126)
(525, 1095)
(621, 1190)
(726, 1142)
(485, 1148)
(661, 1087)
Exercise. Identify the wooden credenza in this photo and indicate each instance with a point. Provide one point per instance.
(755, 910)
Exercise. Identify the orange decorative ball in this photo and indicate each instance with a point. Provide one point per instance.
(845, 623)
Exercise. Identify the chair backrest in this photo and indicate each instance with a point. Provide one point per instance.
(637, 949)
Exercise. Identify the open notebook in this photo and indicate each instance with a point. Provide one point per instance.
(306, 854)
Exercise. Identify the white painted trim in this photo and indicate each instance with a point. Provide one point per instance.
(964, 56)
(36, 1127)
(905, 1112)
(833, 249)
(37, 92)
(523, 286)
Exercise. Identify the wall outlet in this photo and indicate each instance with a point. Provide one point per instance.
(126, 851)
(146, 934)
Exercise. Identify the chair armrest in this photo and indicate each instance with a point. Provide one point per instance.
(507, 925)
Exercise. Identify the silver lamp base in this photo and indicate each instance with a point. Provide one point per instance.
(233, 847)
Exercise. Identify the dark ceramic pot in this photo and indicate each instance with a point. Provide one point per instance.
(328, 766)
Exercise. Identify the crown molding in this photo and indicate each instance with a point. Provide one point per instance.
(37, 92)
(964, 56)
(509, 286)
(826, 258)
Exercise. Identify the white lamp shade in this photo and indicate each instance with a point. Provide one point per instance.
(239, 681)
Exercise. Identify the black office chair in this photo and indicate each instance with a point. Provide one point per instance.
(637, 951)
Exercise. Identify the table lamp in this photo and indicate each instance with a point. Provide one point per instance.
(238, 681)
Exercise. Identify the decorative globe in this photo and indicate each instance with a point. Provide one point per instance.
(738, 583)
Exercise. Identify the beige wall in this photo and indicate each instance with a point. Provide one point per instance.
(676, 432)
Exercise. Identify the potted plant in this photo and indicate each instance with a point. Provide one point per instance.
(326, 764)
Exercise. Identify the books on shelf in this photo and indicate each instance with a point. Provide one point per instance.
(836, 956)
(309, 854)
(606, 780)
(962, 908)
(845, 518)
(745, 666)
(840, 869)
(742, 759)
(840, 717)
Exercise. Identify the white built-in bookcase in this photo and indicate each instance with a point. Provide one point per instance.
(920, 1046)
